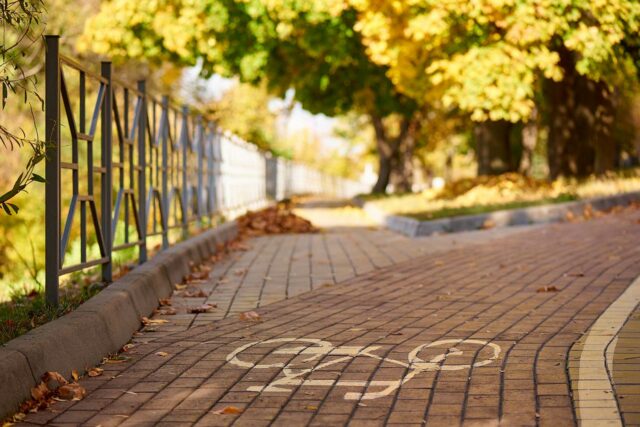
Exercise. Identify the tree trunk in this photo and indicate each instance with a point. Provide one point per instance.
(406, 148)
(529, 142)
(395, 155)
(603, 141)
(493, 147)
(384, 174)
(581, 115)
(386, 153)
(448, 165)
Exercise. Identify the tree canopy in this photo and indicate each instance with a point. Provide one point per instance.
(487, 57)
(308, 46)
(493, 61)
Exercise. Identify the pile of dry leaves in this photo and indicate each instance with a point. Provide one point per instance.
(278, 219)
(53, 387)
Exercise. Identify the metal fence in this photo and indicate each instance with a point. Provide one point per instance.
(126, 170)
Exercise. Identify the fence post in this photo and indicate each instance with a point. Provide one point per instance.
(107, 164)
(184, 139)
(52, 168)
(211, 180)
(142, 170)
(200, 147)
(163, 130)
(217, 175)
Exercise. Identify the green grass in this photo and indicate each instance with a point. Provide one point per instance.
(481, 209)
(28, 311)
(509, 191)
(23, 308)
(372, 197)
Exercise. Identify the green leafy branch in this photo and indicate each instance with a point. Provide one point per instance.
(20, 64)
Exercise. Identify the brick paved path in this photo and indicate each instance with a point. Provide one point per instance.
(402, 345)
(283, 266)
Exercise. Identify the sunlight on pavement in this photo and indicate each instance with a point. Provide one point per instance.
(333, 213)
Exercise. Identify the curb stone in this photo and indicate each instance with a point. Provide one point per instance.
(532, 215)
(101, 325)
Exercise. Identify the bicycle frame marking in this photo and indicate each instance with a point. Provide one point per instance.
(319, 348)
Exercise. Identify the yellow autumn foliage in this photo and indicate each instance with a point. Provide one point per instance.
(486, 57)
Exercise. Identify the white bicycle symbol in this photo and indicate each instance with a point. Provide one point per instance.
(316, 348)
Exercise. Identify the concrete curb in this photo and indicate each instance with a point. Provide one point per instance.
(533, 215)
(103, 324)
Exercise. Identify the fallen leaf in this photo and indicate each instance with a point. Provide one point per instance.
(162, 353)
(489, 223)
(170, 311)
(74, 375)
(147, 321)
(438, 262)
(228, 410)
(250, 315)
(40, 392)
(53, 377)
(164, 301)
(116, 359)
(311, 407)
(548, 289)
(237, 245)
(17, 418)
(198, 275)
(128, 347)
(197, 281)
(179, 287)
(204, 308)
(72, 391)
(95, 372)
(199, 293)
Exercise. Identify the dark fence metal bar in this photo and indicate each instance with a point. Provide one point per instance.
(141, 126)
(107, 164)
(163, 171)
(52, 168)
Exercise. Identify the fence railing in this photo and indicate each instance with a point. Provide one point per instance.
(126, 170)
